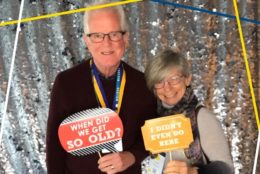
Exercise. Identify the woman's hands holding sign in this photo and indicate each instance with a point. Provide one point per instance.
(179, 167)
(116, 162)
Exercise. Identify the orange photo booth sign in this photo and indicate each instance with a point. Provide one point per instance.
(167, 133)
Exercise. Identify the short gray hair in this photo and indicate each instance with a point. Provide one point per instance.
(162, 64)
(117, 9)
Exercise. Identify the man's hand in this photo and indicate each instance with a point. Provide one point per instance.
(116, 162)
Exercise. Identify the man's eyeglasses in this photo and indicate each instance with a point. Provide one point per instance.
(114, 36)
(174, 80)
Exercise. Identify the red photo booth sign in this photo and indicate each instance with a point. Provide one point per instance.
(90, 128)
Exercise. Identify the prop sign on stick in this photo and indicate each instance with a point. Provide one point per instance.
(167, 133)
(91, 131)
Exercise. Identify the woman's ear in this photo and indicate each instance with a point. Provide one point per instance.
(188, 80)
(154, 92)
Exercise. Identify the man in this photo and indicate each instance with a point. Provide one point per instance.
(106, 36)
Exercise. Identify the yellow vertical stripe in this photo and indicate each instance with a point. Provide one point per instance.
(246, 63)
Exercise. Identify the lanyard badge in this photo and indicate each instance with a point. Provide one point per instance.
(119, 91)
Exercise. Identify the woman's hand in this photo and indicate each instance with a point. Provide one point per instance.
(116, 162)
(179, 167)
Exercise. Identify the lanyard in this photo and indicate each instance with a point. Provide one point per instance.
(99, 90)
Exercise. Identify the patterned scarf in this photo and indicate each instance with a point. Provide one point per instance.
(187, 106)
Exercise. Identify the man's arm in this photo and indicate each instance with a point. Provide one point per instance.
(55, 154)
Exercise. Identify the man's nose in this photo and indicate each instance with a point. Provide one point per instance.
(107, 40)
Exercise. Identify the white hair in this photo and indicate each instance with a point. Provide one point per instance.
(118, 9)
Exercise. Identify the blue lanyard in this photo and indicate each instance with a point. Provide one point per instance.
(102, 97)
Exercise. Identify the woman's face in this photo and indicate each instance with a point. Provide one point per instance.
(172, 88)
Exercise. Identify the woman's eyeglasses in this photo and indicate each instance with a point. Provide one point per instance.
(174, 80)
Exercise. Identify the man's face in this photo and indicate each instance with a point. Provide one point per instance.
(106, 54)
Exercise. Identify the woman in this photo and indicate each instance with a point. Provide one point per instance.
(168, 76)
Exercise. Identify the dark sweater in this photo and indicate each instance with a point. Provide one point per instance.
(73, 92)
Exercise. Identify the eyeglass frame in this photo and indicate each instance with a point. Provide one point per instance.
(178, 78)
(107, 34)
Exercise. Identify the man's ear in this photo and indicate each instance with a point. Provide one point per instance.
(126, 39)
(85, 39)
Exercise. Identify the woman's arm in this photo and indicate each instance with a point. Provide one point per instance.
(214, 143)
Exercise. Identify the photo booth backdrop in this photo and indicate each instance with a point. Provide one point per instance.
(48, 46)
